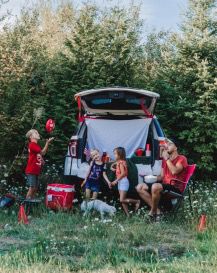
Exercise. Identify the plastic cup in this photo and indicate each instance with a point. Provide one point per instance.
(139, 152)
(162, 141)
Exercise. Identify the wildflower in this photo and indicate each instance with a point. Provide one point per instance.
(106, 221)
(121, 228)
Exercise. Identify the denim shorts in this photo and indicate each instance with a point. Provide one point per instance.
(92, 185)
(123, 184)
(32, 180)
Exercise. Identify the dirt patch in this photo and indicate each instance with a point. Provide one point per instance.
(7, 243)
(163, 251)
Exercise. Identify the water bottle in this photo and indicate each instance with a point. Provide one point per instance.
(148, 151)
(104, 156)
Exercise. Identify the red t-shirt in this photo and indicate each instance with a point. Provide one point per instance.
(35, 159)
(181, 176)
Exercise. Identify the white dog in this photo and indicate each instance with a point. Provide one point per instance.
(99, 206)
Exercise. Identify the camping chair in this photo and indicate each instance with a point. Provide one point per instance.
(177, 198)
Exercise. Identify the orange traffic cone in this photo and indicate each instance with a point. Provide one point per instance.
(202, 223)
(22, 218)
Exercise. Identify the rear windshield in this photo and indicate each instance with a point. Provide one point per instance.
(120, 100)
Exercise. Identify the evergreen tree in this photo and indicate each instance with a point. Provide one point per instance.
(186, 79)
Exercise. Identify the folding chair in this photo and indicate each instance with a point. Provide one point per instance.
(177, 198)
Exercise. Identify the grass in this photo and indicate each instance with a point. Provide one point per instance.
(68, 242)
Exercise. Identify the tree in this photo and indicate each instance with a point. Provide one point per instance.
(186, 78)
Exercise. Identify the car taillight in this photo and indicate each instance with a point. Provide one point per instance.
(73, 148)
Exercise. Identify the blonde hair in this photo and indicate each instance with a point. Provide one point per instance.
(30, 133)
(93, 152)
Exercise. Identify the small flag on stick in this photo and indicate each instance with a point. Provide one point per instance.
(87, 152)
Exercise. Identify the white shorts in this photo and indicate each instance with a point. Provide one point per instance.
(123, 184)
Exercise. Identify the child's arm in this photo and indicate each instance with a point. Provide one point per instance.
(122, 175)
(83, 183)
(48, 141)
(106, 179)
(85, 180)
(112, 167)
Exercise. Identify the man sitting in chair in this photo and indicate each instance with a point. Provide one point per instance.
(173, 167)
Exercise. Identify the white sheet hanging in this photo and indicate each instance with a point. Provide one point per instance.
(106, 135)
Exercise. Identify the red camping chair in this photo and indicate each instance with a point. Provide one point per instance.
(177, 198)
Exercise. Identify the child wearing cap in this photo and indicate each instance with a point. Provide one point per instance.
(35, 161)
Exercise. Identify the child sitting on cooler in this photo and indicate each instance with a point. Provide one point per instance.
(95, 175)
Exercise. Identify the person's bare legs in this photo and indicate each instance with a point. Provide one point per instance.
(125, 201)
(142, 190)
(156, 195)
(123, 195)
(95, 195)
(31, 193)
(87, 194)
(35, 191)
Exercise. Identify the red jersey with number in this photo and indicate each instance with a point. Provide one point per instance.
(181, 159)
(35, 160)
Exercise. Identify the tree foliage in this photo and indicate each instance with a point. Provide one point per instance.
(187, 79)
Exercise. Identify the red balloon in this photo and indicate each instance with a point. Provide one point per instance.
(50, 125)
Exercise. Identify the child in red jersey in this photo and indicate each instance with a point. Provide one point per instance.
(35, 161)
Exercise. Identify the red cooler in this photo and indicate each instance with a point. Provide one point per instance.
(60, 196)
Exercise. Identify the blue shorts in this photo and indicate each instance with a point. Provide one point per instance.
(32, 180)
(92, 185)
(123, 184)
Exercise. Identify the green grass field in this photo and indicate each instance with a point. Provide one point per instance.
(68, 242)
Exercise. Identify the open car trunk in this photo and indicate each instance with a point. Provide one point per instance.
(117, 101)
(112, 117)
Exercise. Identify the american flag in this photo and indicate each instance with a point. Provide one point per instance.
(87, 152)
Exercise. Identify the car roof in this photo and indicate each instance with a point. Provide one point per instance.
(110, 89)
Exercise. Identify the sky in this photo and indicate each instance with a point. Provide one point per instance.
(157, 14)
